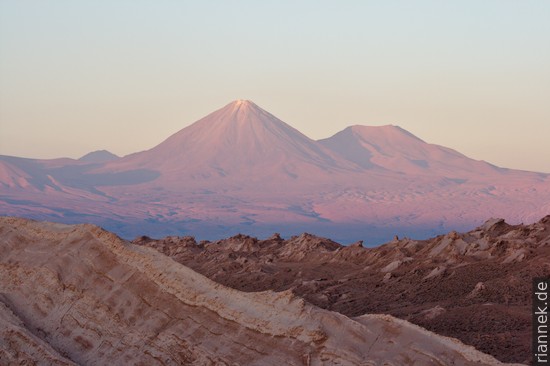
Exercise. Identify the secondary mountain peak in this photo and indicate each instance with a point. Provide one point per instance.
(386, 132)
(393, 148)
(99, 156)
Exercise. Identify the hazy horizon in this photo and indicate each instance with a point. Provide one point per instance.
(79, 77)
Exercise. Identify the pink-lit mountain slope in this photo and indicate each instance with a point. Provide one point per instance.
(393, 148)
(238, 143)
(241, 169)
(11, 176)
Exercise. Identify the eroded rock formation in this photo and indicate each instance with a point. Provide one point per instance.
(474, 286)
(79, 294)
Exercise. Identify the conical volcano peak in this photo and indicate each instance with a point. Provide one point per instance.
(240, 137)
(242, 102)
(242, 105)
(238, 110)
(243, 112)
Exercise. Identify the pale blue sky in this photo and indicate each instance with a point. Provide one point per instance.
(77, 76)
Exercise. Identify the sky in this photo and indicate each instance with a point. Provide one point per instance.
(78, 76)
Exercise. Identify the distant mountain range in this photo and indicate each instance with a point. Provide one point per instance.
(241, 169)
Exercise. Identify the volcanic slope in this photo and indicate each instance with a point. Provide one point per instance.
(395, 149)
(474, 286)
(80, 294)
(238, 142)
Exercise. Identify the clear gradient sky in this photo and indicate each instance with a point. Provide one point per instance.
(78, 76)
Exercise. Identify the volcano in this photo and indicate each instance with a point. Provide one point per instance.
(239, 142)
(393, 148)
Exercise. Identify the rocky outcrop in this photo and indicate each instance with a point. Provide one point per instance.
(474, 286)
(79, 294)
(18, 346)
